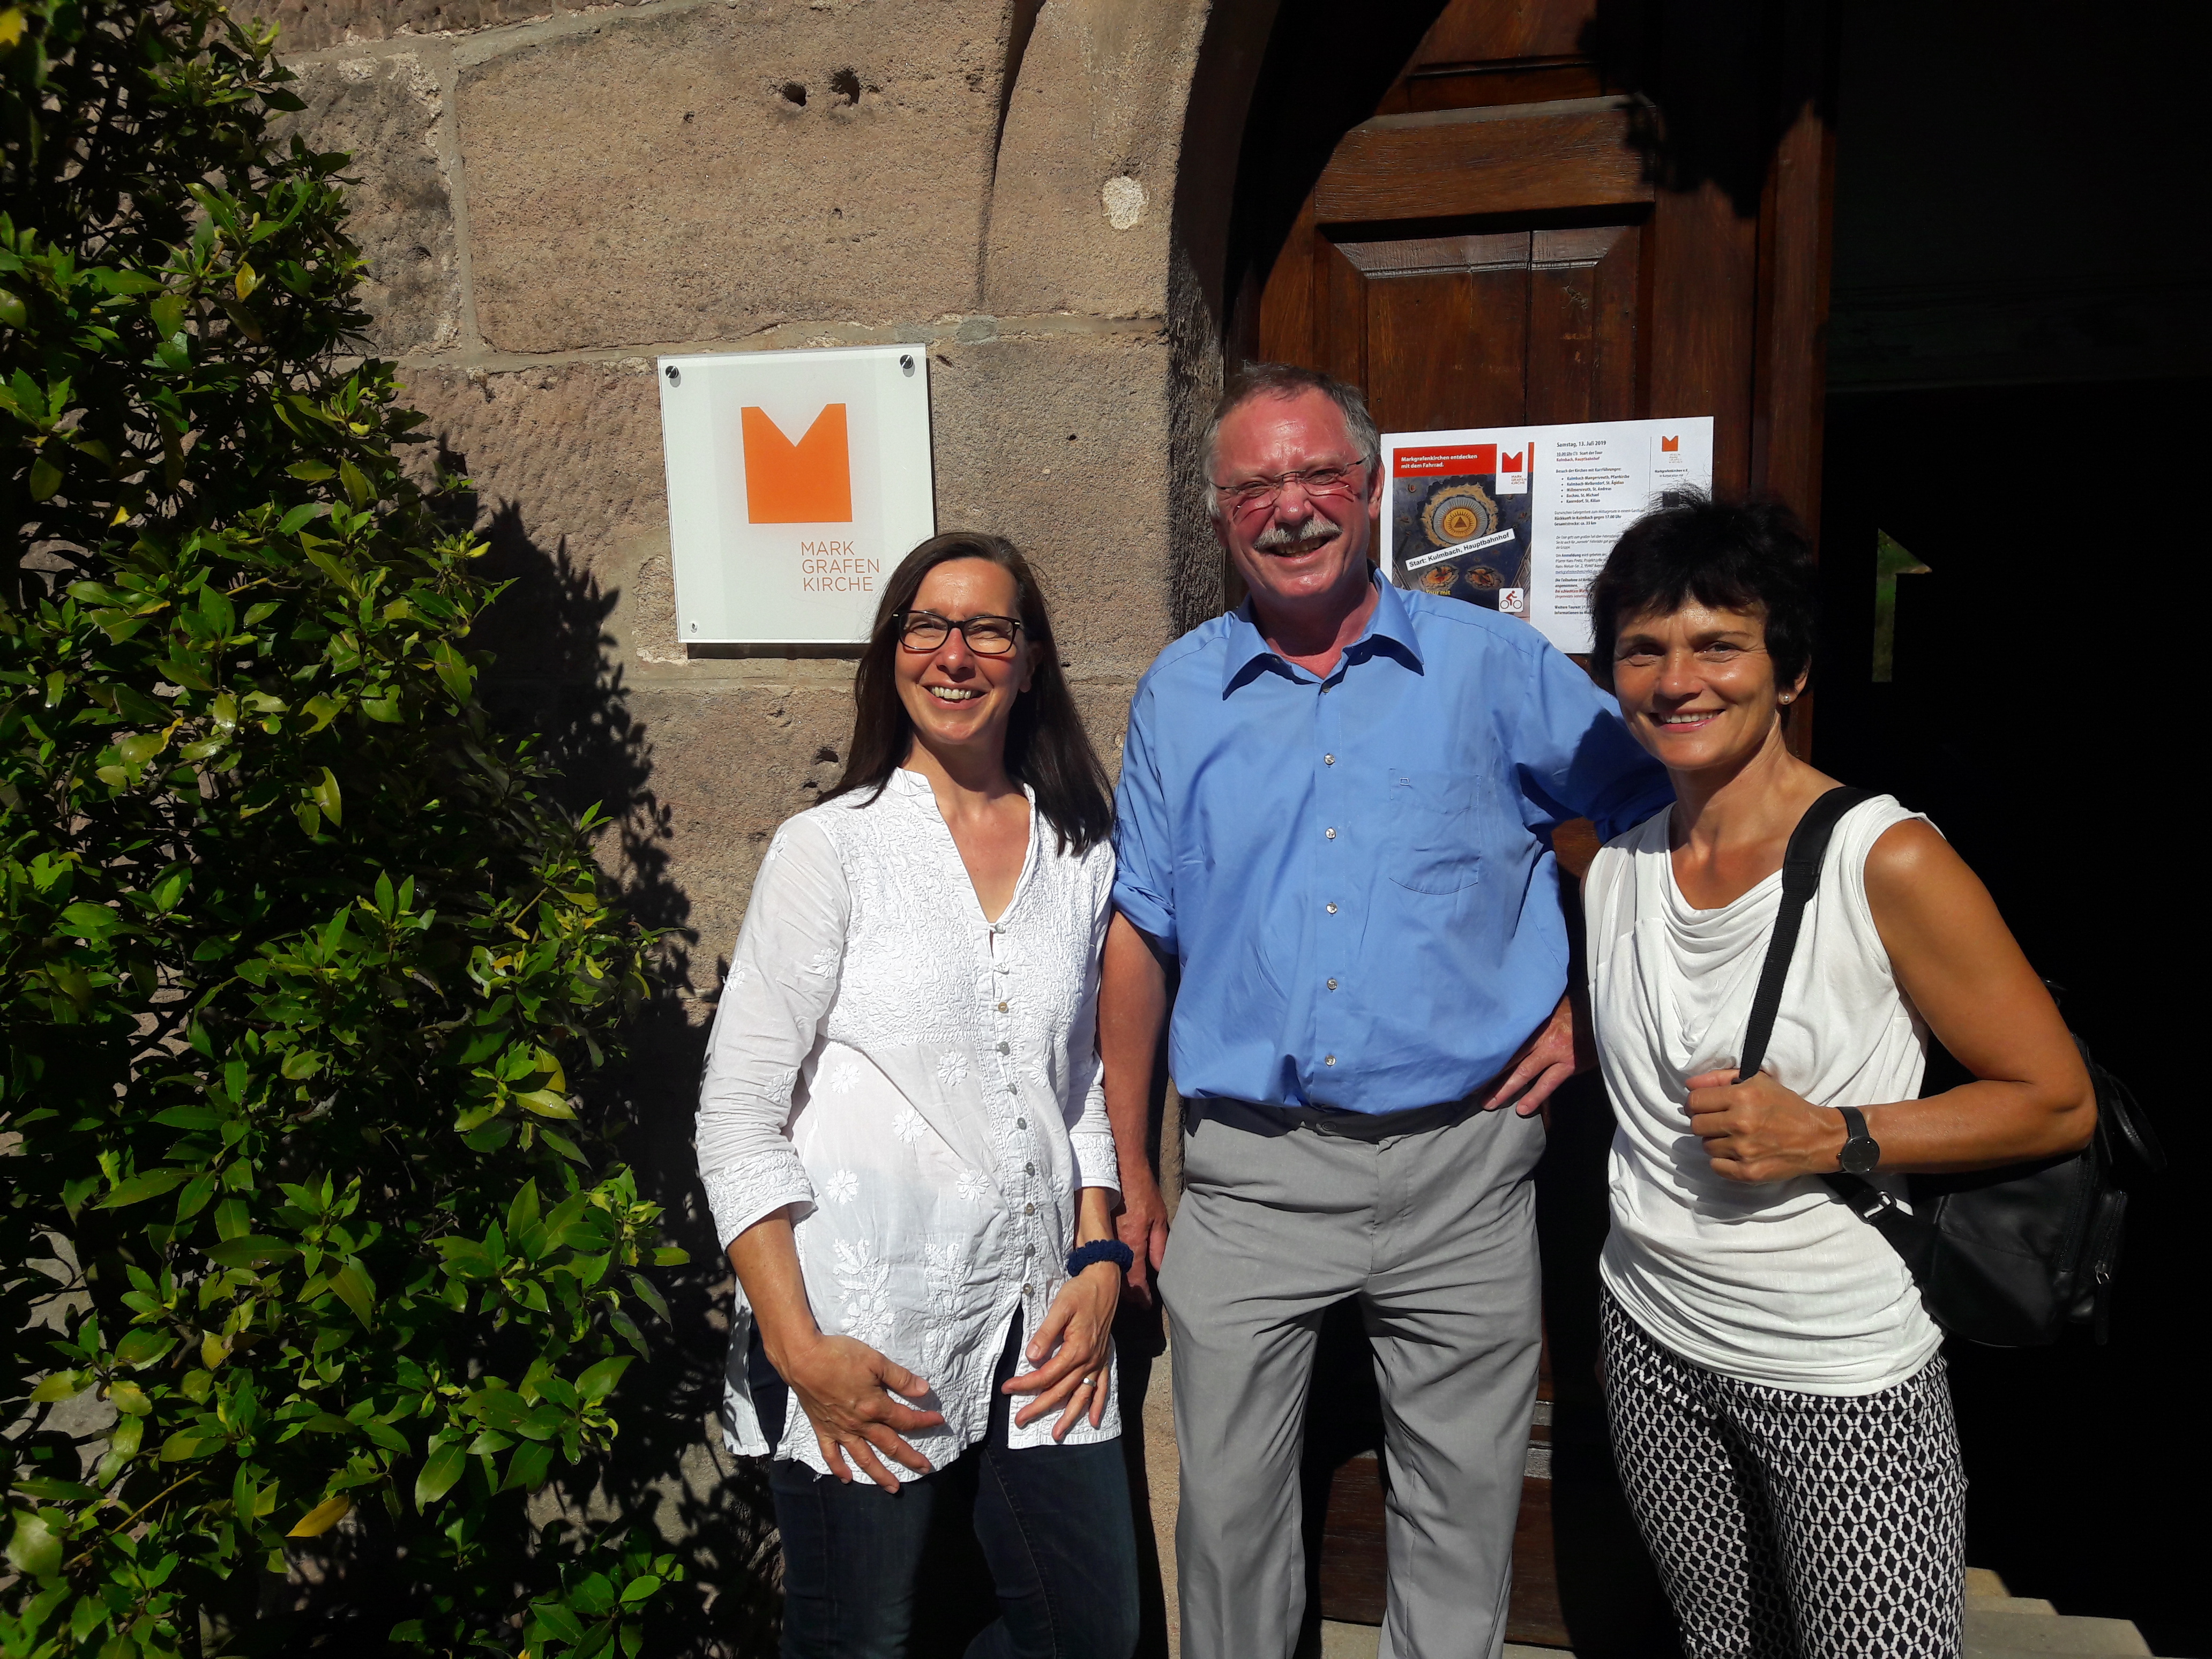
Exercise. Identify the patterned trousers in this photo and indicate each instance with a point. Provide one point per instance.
(1788, 1525)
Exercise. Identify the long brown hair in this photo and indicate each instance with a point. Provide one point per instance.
(1047, 747)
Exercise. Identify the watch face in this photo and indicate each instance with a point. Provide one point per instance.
(1860, 1155)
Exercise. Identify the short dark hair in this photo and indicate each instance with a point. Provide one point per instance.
(1287, 380)
(1047, 747)
(1733, 555)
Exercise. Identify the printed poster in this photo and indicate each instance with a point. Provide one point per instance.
(797, 481)
(1519, 519)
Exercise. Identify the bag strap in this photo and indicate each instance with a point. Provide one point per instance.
(1909, 1236)
(1800, 879)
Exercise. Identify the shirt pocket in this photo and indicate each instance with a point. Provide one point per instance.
(1429, 825)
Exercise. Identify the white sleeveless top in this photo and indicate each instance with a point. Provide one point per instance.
(1776, 1284)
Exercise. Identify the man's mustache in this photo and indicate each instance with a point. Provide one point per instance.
(1302, 537)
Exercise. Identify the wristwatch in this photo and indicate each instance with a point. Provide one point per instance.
(1861, 1151)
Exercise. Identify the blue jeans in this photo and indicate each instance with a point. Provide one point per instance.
(1055, 1524)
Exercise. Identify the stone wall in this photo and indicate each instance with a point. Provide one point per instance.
(550, 195)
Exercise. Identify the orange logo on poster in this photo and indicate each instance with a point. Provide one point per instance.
(1509, 462)
(1670, 445)
(809, 482)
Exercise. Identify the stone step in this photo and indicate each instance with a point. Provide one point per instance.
(2010, 1604)
(2003, 1635)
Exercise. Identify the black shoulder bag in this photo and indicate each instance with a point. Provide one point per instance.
(2009, 1256)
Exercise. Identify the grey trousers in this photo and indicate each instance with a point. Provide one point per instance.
(1283, 1214)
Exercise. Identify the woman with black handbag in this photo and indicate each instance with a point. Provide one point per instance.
(1779, 1411)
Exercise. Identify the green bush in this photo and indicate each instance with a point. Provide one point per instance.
(301, 1233)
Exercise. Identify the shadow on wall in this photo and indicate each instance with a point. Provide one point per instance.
(556, 675)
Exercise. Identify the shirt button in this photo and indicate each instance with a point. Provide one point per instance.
(1029, 1290)
(1002, 1007)
(1332, 910)
(1328, 760)
(1005, 1050)
(1332, 985)
(1021, 1123)
(1030, 1209)
(1329, 1060)
(1011, 1090)
(1331, 834)
(1028, 1168)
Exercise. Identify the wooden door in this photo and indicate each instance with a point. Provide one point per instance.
(1559, 210)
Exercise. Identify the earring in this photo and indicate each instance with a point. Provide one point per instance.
(1787, 696)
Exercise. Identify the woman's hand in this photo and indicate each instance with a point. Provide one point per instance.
(846, 1388)
(1759, 1131)
(1079, 1324)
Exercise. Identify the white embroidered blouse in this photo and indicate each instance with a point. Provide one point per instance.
(923, 1085)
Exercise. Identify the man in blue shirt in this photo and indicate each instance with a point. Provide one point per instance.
(1336, 815)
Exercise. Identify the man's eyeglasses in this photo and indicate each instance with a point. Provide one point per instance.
(1314, 481)
(986, 636)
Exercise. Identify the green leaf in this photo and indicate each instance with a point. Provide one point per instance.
(440, 1470)
(308, 472)
(46, 479)
(356, 486)
(138, 1189)
(249, 1251)
(321, 1518)
(639, 1589)
(325, 795)
(142, 1347)
(34, 1548)
(356, 1289)
(546, 1103)
(526, 1471)
(598, 1383)
(61, 1385)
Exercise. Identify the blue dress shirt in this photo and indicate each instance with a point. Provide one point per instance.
(1356, 873)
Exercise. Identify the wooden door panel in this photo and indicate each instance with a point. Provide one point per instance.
(1514, 158)
(1582, 309)
(1442, 343)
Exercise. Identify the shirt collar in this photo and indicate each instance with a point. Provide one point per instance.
(1390, 629)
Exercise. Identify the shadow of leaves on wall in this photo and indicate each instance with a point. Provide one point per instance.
(557, 675)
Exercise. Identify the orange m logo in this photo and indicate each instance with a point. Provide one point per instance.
(807, 483)
(1667, 445)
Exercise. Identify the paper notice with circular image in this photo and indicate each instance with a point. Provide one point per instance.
(1519, 519)
(797, 481)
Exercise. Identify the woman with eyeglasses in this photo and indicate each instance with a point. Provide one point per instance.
(904, 1143)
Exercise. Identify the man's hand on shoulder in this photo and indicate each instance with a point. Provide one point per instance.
(1555, 1051)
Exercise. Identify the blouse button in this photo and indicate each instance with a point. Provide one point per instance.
(1029, 1290)
(1329, 1060)
(1002, 1007)
(1028, 1168)
(1005, 1049)
(1329, 833)
(1028, 1209)
(1332, 910)
(1021, 1123)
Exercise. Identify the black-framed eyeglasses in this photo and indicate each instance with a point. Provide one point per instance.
(986, 636)
(1314, 480)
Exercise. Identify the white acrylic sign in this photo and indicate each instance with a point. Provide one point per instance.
(1521, 518)
(797, 481)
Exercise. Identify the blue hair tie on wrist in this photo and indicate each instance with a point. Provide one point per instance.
(1104, 1250)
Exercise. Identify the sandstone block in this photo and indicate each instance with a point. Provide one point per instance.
(310, 24)
(389, 112)
(1061, 444)
(705, 173)
(566, 463)
(1082, 205)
